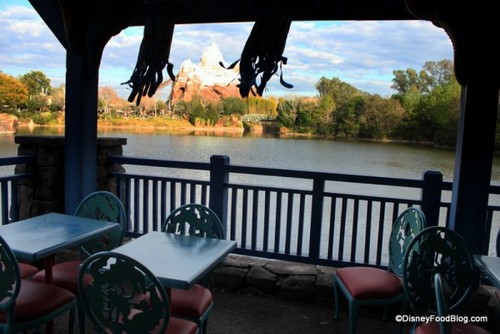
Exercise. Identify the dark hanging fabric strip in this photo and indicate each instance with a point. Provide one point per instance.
(154, 51)
(262, 55)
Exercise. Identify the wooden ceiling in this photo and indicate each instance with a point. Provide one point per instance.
(218, 11)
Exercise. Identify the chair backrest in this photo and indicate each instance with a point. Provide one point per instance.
(120, 295)
(408, 224)
(10, 282)
(438, 250)
(103, 205)
(194, 219)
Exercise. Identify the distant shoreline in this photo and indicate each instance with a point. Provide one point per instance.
(182, 126)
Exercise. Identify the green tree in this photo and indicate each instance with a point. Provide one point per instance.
(212, 112)
(440, 72)
(13, 93)
(325, 108)
(439, 112)
(308, 116)
(345, 120)
(287, 112)
(196, 111)
(380, 117)
(58, 97)
(341, 92)
(431, 100)
(37, 83)
(432, 75)
(234, 105)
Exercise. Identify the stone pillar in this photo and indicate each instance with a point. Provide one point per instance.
(44, 192)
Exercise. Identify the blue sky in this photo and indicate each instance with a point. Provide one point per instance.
(363, 54)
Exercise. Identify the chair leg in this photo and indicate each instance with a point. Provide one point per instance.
(385, 312)
(336, 315)
(81, 315)
(353, 316)
(403, 309)
(203, 326)
(71, 322)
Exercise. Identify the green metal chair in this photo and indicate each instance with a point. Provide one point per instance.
(438, 275)
(28, 304)
(375, 286)
(194, 219)
(123, 296)
(100, 205)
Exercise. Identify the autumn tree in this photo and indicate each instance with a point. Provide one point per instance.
(261, 106)
(13, 93)
(109, 101)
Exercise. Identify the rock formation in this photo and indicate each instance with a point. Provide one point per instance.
(208, 79)
(8, 123)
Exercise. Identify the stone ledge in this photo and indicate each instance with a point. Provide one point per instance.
(290, 280)
(305, 283)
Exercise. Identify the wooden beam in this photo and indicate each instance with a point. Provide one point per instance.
(50, 13)
(473, 161)
(80, 131)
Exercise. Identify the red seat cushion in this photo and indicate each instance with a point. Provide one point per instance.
(192, 302)
(181, 326)
(64, 275)
(27, 269)
(369, 283)
(37, 299)
(456, 328)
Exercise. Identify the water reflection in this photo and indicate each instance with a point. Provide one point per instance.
(40, 130)
(304, 153)
(269, 150)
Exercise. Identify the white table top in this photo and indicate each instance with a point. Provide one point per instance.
(178, 261)
(490, 266)
(35, 238)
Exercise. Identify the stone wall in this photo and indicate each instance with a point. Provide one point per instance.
(289, 280)
(44, 192)
(300, 282)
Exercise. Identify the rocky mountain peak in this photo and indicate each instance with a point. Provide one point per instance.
(211, 56)
(207, 79)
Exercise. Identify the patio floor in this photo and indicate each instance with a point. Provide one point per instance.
(251, 311)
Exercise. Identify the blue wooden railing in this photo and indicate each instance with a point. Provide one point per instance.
(302, 216)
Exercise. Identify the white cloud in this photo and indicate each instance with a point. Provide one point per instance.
(363, 54)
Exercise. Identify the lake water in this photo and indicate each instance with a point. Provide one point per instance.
(360, 158)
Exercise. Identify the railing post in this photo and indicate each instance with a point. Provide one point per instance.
(219, 177)
(316, 217)
(431, 196)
